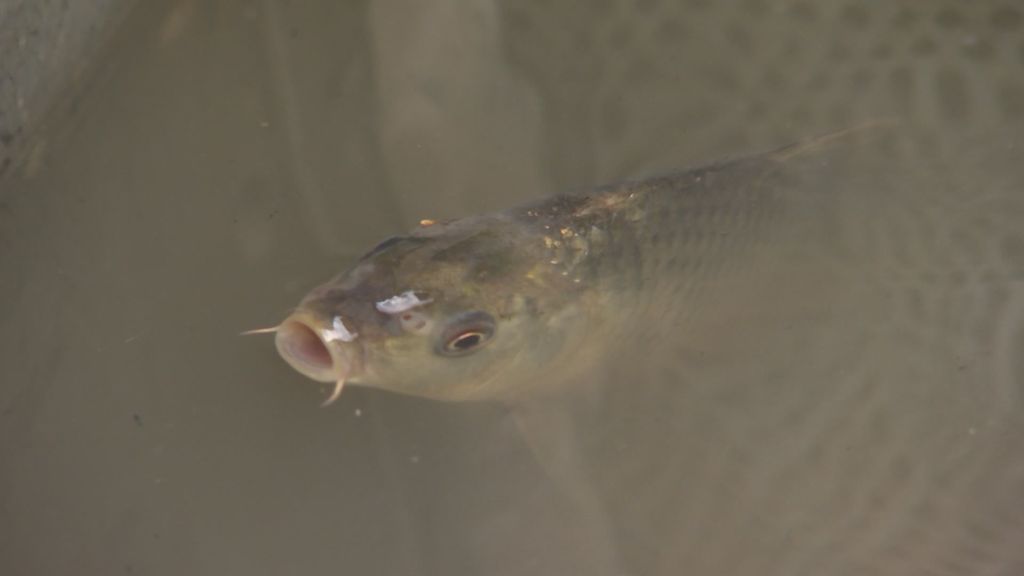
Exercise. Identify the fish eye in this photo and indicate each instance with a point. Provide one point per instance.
(467, 333)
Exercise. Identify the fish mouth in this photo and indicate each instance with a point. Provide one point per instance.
(310, 349)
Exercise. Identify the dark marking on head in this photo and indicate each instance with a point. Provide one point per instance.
(382, 246)
(409, 242)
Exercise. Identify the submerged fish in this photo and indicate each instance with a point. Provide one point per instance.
(489, 306)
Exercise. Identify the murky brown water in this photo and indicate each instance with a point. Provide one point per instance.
(228, 156)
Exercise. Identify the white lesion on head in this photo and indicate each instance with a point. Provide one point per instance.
(402, 306)
(338, 331)
(401, 303)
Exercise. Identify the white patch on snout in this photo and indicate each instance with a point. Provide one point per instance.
(338, 332)
(401, 303)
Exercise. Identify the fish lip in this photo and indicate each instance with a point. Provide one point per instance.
(304, 341)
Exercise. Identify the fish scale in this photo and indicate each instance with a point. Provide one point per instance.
(851, 432)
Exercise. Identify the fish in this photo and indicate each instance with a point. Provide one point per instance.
(485, 307)
(733, 338)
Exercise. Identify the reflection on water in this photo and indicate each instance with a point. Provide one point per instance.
(839, 393)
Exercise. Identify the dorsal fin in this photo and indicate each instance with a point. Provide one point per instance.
(818, 142)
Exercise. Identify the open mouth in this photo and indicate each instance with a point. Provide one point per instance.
(304, 349)
(325, 355)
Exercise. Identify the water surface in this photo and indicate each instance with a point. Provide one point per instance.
(228, 156)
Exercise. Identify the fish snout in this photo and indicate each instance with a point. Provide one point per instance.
(314, 351)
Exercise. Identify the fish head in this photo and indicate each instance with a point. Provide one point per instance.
(468, 310)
